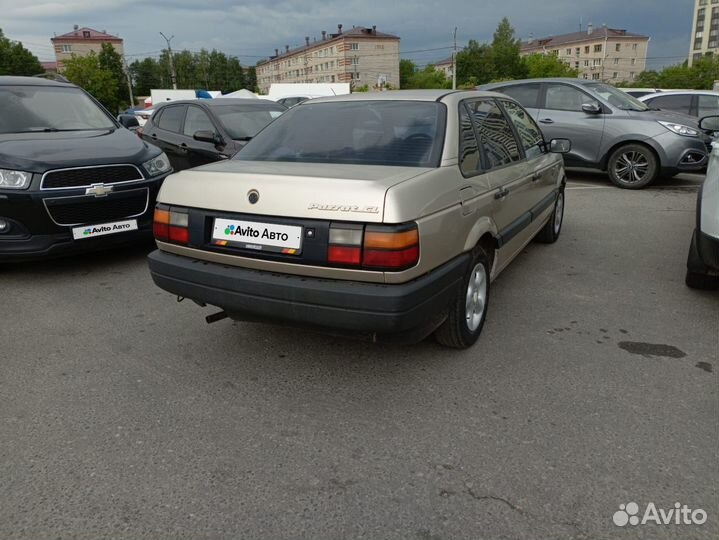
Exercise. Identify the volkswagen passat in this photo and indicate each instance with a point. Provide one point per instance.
(379, 214)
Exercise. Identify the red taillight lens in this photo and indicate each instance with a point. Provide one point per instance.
(344, 255)
(391, 259)
(170, 224)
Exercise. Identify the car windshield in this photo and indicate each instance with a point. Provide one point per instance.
(25, 109)
(617, 98)
(402, 133)
(243, 122)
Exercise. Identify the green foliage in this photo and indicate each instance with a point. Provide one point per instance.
(86, 72)
(427, 78)
(16, 59)
(547, 65)
(700, 76)
(406, 71)
(146, 76)
(363, 88)
(475, 63)
(109, 60)
(505, 53)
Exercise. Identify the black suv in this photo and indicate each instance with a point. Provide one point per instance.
(198, 132)
(71, 177)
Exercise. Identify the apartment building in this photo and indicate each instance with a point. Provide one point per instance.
(80, 42)
(360, 56)
(445, 66)
(705, 33)
(601, 54)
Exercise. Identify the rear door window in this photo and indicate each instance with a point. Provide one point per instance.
(171, 118)
(469, 160)
(526, 94)
(708, 106)
(679, 103)
(496, 135)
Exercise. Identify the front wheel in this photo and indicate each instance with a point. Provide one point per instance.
(468, 310)
(633, 166)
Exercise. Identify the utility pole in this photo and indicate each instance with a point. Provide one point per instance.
(454, 61)
(172, 63)
(129, 81)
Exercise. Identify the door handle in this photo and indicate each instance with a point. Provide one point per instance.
(154, 135)
(546, 121)
(501, 194)
(536, 176)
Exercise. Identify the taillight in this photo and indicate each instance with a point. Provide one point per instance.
(345, 245)
(171, 224)
(393, 247)
(388, 247)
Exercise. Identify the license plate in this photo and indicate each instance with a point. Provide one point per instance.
(258, 236)
(91, 231)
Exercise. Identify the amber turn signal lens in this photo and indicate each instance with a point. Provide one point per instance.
(391, 240)
(162, 216)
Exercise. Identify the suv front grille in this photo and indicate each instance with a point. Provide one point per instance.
(86, 176)
(88, 210)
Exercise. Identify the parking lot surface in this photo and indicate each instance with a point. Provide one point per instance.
(594, 384)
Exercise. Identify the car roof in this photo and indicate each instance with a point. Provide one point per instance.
(219, 102)
(567, 80)
(406, 95)
(32, 81)
(680, 93)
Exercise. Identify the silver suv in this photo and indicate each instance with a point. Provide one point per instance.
(611, 130)
(379, 214)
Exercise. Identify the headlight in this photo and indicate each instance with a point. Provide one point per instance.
(157, 165)
(680, 129)
(14, 179)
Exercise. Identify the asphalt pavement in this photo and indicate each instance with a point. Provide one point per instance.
(594, 384)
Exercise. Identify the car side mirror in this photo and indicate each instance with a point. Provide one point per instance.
(209, 137)
(129, 121)
(560, 146)
(709, 123)
(592, 107)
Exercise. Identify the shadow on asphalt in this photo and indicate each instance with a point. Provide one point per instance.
(591, 177)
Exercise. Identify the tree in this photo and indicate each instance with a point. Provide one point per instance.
(505, 53)
(145, 75)
(110, 60)
(700, 76)
(475, 63)
(16, 59)
(251, 79)
(546, 65)
(428, 78)
(406, 70)
(85, 71)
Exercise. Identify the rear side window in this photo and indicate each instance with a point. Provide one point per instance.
(561, 97)
(496, 135)
(529, 133)
(680, 104)
(708, 106)
(469, 161)
(171, 118)
(526, 94)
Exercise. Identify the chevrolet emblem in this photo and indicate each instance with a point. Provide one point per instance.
(99, 190)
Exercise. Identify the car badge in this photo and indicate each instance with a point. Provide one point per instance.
(99, 190)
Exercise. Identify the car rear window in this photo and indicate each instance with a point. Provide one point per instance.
(33, 108)
(526, 94)
(402, 133)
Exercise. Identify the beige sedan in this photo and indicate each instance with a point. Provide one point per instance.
(382, 215)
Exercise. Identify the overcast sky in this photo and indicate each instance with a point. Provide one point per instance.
(252, 29)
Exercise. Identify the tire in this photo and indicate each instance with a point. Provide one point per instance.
(461, 330)
(553, 228)
(698, 276)
(633, 166)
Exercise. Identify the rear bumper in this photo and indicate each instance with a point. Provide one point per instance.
(414, 308)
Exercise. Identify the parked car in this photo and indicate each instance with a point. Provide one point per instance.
(610, 130)
(697, 103)
(71, 178)
(197, 132)
(379, 214)
(703, 260)
(639, 92)
(291, 101)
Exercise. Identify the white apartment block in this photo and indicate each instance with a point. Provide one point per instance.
(601, 54)
(705, 30)
(361, 56)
